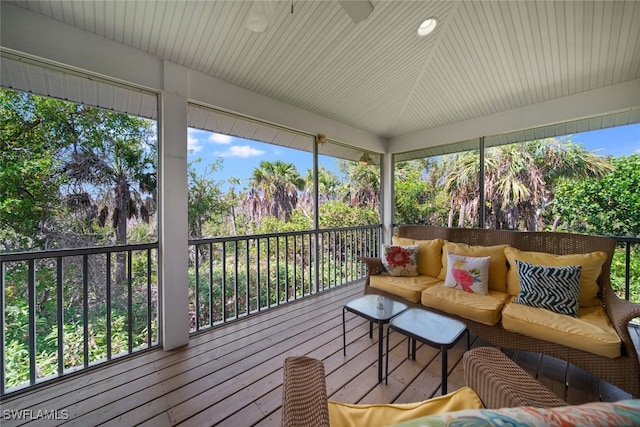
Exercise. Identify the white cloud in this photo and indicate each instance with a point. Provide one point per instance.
(194, 144)
(218, 138)
(243, 151)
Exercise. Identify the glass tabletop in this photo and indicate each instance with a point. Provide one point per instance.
(376, 307)
(430, 326)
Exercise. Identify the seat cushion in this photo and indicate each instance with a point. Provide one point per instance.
(591, 331)
(409, 288)
(429, 254)
(481, 308)
(346, 415)
(497, 265)
(591, 264)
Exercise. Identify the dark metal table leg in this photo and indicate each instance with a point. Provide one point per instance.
(380, 338)
(370, 328)
(386, 375)
(445, 364)
(413, 349)
(408, 348)
(344, 333)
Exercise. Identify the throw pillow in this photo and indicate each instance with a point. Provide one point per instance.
(497, 265)
(400, 260)
(429, 254)
(553, 288)
(471, 274)
(591, 264)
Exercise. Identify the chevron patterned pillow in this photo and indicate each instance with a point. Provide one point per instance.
(553, 288)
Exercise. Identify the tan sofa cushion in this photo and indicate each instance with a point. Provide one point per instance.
(497, 265)
(409, 288)
(591, 331)
(591, 264)
(481, 308)
(373, 415)
(429, 254)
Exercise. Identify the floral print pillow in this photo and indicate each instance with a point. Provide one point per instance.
(471, 274)
(596, 414)
(400, 260)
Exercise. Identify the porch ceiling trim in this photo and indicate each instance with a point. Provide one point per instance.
(27, 74)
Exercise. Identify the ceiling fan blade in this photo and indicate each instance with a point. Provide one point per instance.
(358, 11)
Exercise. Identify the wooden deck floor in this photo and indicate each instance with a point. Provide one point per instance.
(232, 375)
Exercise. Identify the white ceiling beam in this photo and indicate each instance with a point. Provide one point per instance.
(610, 99)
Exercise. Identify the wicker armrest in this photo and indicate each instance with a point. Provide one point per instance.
(374, 265)
(501, 383)
(304, 393)
(620, 311)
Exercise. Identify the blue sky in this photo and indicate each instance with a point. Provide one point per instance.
(617, 141)
(242, 156)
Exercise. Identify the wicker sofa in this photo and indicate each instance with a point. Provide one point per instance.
(494, 382)
(623, 370)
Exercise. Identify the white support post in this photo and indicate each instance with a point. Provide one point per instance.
(173, 230)
(387, 197)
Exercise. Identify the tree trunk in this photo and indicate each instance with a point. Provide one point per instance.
(463, 212)
(120, 225)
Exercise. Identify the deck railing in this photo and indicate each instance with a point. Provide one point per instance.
(67, 310)
(232, 277)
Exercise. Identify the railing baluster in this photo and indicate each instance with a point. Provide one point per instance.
(108, 297)
(211, 295)
(60, 314)
(248, 275)
(235, 279)
(286, 265)
(196, 291)
(2, 337)
(85, 308)
(32, 321)
(268, 272)
(130, 300)
(258, 294)
(149, 314)
(295, 267)
(225, 313)
(627, 270)
(278, 269)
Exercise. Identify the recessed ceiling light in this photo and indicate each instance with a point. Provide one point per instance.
(427, 26)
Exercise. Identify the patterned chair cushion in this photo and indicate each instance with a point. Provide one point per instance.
(598, 414)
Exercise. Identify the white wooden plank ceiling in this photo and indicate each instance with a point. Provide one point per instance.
(484, 57)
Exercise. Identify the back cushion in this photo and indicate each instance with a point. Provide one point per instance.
(497, 265)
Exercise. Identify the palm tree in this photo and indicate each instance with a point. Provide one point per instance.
(520, 178)
(460, 176)
(363, 186)
(116, 154)
(114, 151)
(274, 190)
